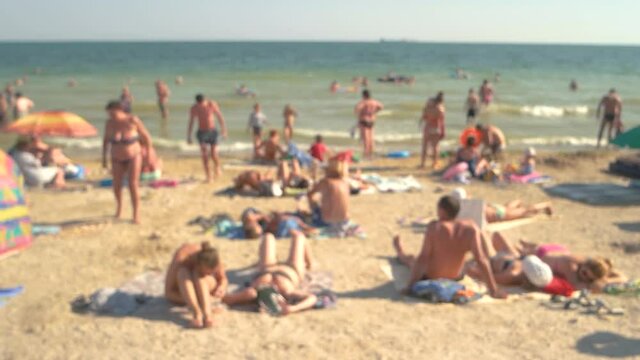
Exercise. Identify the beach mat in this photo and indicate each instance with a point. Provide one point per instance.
(600, 194)
(400, 274)
(392, 184)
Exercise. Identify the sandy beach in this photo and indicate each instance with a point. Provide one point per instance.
(371, 321)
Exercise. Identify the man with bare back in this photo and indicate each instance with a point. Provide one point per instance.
(163, 92)
(612, 105)
(446, 242)
(205, 110)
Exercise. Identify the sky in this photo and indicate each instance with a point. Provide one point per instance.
(511, 21)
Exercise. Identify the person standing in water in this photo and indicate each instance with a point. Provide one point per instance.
(612, 105)
(205, 110)
(366, 111)
(573, 85)
(257, 120)
(124, 135)
(289, 115)
(486, 93)
(472, 105)
(21, 106)
(163, 92)
(126, 100)
(432, 122)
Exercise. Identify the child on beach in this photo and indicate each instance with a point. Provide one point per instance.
(527, 165)
(289, 114)
(318, 152)
(257, 120)
(194, 276)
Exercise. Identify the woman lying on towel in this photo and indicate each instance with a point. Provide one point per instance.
(279, 224)
(512, 210)
(276, 286)
(526, 265)
(194, 276)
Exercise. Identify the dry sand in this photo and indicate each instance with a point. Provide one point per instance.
(371, 321)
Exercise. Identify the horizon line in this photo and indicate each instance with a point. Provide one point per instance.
(347, 41)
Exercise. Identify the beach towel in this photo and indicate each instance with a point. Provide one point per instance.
(599, 194)
(392, 184)
(533, 178)
(319, 283)
(146, 289)
(350, 229)
(399, 274)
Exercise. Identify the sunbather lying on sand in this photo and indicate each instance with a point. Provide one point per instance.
(592, 273)
(446, 242)
(194, 276)
(285, 278)
(510, 211)
(279, 224)
(581, 272)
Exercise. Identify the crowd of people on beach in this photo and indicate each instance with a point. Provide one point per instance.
(197, 272)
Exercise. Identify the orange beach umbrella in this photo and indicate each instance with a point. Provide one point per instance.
(53, 123)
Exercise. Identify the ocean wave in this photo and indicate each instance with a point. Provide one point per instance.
(179, 146)
(543, 111)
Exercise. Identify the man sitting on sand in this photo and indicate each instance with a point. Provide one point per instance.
(270, 150)
(493, 140)
(281, 279)
(445, 245)
(194, 276)
(333, 208)
(205, 110)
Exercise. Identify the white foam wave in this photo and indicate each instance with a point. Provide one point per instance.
(543, 111)
(160, 143)
(554, 111)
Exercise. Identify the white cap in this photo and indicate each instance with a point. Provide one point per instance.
(536, 271)
(459, 193)
(530, 151)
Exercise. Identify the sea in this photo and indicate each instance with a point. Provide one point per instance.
(533, 104)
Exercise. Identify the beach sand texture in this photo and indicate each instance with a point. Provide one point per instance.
(372, 321)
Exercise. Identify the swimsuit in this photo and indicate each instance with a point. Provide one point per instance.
(545, 249)
(207, 137)
(501, 211)
(285, 227)
(366, 124)
(471, 112)
(275, 273)
(609, 117)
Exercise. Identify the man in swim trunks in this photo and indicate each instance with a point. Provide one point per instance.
(432, 122)
(445, 245)
(205, 110)
(612, 104)
(163, 92)
(257, 120)
(486, 93)
(366, 111)
(493, 140)
(472, 105)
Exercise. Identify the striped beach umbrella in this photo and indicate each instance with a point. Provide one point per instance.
(15, 224)
(53, 123)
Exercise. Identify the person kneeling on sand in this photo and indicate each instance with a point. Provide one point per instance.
(280, 279)
(332, 210)
(445, 245)
(194, 276)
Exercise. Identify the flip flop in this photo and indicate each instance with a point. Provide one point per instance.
(11, 292)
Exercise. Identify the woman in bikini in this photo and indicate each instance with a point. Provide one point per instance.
(194, 276)
(124, 135)
(285, 278)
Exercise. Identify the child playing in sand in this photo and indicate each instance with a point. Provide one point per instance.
(194, 276)
(527, 165)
